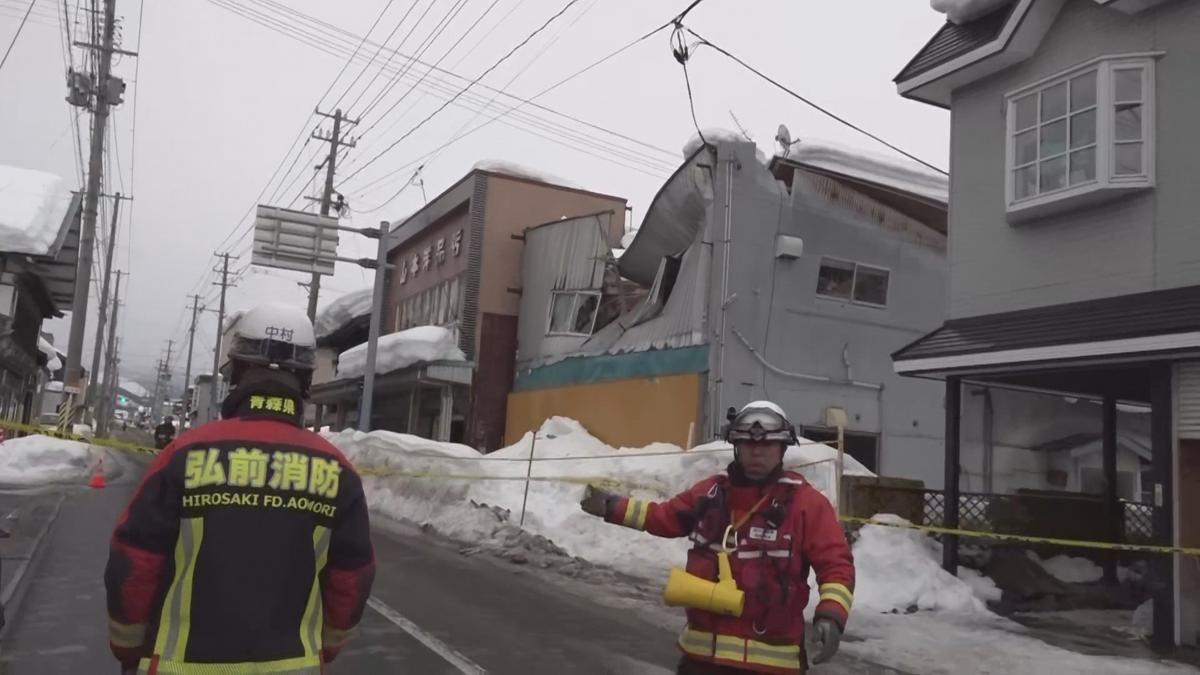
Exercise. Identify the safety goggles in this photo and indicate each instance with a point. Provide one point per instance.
(760, 425)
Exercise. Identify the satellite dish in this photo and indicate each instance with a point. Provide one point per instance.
(784, 138)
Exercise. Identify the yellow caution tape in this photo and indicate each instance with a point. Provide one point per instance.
(598, 481)
(55, 433)
(1020, 537)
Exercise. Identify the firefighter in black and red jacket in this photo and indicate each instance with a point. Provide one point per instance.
(775, 527)
(247, 547)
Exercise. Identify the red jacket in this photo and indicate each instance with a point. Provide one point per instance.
(794, 528)
(246, 545)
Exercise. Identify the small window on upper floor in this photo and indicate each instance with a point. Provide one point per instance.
(573, 312)
(853, 282)
(1080, 136)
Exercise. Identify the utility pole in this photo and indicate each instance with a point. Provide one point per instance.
(157, 389)
(94, 380)
(368, 395)
(106, 91)
(224, 284)
(104, 404)
(335, 141)
(187, 373)
(112, 381)
(166, 375)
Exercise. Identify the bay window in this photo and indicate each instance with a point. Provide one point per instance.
(1081, 136)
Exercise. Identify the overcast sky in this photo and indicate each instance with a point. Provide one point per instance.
(220, 99)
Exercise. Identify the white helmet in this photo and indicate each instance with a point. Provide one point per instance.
(760, 421)
(276, 335)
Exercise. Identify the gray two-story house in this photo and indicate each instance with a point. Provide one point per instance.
(1074, 245)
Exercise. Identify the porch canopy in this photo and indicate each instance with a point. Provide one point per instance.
(1112, 349)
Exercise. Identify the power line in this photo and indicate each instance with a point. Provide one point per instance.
(319, 40)
(570, 3)
(391, 53)
(17, 34)
(359, 48)
(809, 103)
(523, 102)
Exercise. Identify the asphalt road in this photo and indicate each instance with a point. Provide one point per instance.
(434, 610)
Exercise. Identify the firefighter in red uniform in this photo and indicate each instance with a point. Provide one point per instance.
(247, 547)
(776, 526)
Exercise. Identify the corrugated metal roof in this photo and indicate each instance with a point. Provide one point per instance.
(953, 40)
(675, 215)
(1165, 312)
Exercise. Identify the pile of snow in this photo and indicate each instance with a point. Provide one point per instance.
(343, 310)
(41, 459)
(966, 11)
(627, 238)
(401, 350)
(84, 430)
(54, 385)
(874, 167)
(134, 388)
(33, 206)
(1143, 618)
(519, 171)
(1069, 570)
(567, 457)
(53, 363)
(716, 135)
(900, 570)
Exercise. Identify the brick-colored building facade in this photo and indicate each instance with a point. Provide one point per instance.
(458, 265)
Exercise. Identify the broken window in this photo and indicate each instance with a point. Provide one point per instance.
(573, 312)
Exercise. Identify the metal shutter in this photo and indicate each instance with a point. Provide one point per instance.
(1187, 377)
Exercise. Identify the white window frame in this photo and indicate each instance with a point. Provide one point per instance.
(854, 283)
(574, 306)
(1107, 182)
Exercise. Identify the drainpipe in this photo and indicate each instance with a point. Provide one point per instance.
(989, 441)
(718, 412)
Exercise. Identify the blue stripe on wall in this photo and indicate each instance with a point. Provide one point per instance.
(612, 367)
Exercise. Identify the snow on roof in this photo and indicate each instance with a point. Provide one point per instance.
(519, 171)
(343, 310)
(900, 174)
(134, 388)
(397, 351)
(628, 237)
(33, 205)
(965, 11)
(719, 135)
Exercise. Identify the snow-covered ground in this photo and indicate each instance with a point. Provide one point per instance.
(36, 460)
(401, 350)
(908, 614)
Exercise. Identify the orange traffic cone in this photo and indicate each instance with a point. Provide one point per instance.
(98, 475)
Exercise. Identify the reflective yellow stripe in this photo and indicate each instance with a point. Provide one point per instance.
(731, 648)
(635, 514)
(696, 642)
(310, 625)
(305, 665)
(333, 637)
(837, 593)
(779, 656)
(738, 650)
(126, 635)
(176, 616)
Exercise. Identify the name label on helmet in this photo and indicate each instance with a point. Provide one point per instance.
(763, 534)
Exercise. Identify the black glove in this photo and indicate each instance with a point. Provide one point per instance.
(829, 636)
(597, 502)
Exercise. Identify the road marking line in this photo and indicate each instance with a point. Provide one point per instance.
(464, 665)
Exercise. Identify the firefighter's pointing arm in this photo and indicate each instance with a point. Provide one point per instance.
(672, 518)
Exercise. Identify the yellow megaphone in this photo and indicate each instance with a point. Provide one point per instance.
(720, 597)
